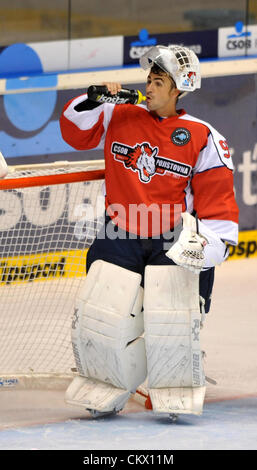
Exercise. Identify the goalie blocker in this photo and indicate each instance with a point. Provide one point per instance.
(110, 354)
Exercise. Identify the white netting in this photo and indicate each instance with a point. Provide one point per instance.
(45, 232)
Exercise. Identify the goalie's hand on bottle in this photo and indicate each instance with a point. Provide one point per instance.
(112, 87)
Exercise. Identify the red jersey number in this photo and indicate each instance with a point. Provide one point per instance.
(224, 147)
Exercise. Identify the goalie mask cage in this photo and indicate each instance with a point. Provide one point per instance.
(49, 216)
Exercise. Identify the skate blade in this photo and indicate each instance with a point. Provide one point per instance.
(101, 414)
(173, 417)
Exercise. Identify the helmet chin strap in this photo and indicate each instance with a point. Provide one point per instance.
(182, 94)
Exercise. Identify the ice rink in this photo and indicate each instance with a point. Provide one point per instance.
(41, 420)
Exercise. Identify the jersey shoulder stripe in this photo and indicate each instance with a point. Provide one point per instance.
(218, 140)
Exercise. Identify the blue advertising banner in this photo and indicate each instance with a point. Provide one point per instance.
(29, 128)
(203, 43)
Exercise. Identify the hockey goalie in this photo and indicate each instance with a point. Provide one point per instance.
(170, 213)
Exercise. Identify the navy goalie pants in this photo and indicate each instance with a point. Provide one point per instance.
(136, 253)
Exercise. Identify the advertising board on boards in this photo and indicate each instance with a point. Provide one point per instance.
(238, 40)
(203, 43)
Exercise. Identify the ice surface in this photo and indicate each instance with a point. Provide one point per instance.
(40, 419)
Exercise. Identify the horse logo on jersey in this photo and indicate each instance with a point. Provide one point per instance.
(142, 158)
(145, 159)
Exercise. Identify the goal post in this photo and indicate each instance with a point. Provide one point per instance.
(49, 216)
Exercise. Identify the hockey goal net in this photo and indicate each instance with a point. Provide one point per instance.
(49, 216)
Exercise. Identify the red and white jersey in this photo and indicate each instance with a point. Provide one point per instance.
(175, 164)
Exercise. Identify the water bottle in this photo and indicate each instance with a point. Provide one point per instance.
(101, 94)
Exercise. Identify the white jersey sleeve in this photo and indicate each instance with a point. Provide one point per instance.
(214, 168)
(85, 129)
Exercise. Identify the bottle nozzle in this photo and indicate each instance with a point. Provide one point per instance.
(141, 97)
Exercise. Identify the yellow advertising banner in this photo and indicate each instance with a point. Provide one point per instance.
(43, 266)
(47, 266)
(247, 246)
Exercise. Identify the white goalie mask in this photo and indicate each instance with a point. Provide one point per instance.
(179, 62)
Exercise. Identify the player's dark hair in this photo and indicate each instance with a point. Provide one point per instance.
(159, 71)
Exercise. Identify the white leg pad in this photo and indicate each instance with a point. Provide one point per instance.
(172, 328)
(187, 400)
(92, 394)
(106, 329)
